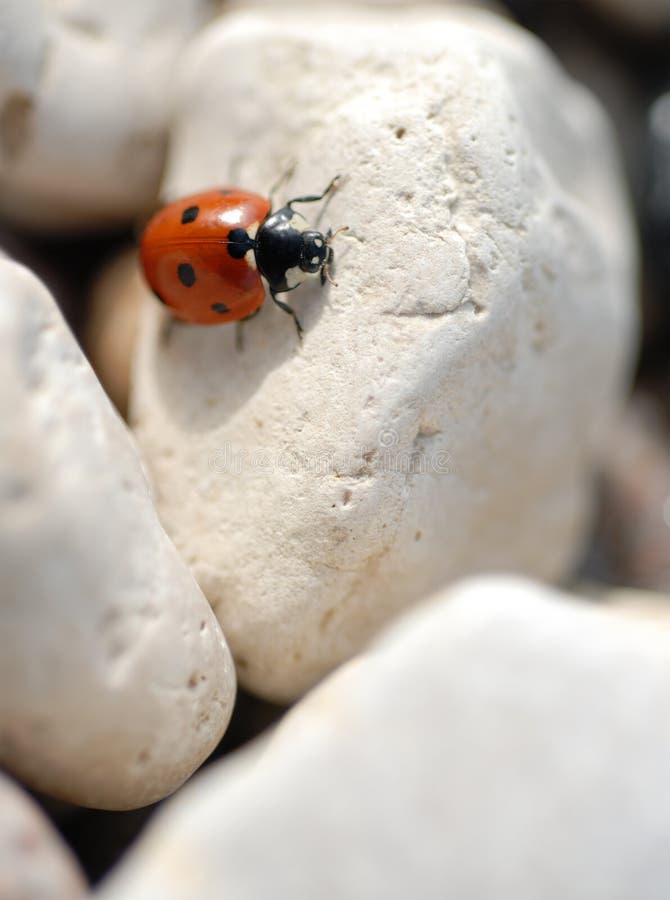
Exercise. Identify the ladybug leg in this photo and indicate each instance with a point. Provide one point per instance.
(287, 309)
(328, 264)
(323, 277)
(239, 336)
(312, 198)
(239, 330)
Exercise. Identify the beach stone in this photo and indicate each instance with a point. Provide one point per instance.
(434, 422)
(504, 740)
(115, 679)
(35, 863)
(84, 107)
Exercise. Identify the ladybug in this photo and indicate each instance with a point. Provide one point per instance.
(203, 256)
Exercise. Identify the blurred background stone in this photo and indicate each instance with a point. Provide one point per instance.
(115, 679)
(85, 99)
(501, 741)
(35, 863)
(649, 16)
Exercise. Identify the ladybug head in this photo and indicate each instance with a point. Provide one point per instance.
(317, 255)
(315, 252)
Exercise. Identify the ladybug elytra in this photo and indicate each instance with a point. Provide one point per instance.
(204, 255)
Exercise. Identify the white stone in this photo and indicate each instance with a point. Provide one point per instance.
(115, 679)
(35, 864)
(503, 741)
(445, 410)
(85, 97)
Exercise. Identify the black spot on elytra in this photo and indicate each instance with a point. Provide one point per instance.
(190, 215)
(220, 308)
(239, 243)
(186, 274)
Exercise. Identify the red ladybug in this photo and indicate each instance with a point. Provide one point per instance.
(203, 256)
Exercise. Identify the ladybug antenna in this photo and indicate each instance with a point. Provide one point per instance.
(326, 274)
(332, 234)
(329, 259)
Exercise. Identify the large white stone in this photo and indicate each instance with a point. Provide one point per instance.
(35, 864)
(445, 410)
(504, 741)
(115, 679)
(85, 97)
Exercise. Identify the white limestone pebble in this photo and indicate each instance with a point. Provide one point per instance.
(85, 98)
(115, 679)
(35, 864)
(446, 408)
(503, 741)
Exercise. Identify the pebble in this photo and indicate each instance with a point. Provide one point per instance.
(85, 101)
(115, 679)
(504, 740)
(446, 409)
(35, 863)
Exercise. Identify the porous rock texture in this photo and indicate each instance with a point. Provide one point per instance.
(445, 410)
(35, 864)
(503, 741)
(115, 679)
(84, 105)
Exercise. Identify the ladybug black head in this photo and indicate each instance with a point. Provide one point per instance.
(314, 252)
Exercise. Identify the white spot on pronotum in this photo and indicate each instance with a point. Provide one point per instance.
(250, 256)
(294, 276)
(318, 242)
(314, 260)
